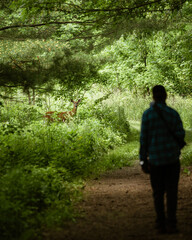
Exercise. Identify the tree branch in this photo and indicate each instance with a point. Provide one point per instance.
(122, 9)
(44, 24)
(84, 11)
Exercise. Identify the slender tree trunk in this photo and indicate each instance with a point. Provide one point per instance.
(34, 96)
(29, 96)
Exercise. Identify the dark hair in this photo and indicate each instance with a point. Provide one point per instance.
(159, 93)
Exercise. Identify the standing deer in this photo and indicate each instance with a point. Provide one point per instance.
(63, 116)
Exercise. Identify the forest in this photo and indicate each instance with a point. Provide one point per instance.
(75, 78)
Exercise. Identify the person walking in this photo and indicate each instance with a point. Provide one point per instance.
(161, 139)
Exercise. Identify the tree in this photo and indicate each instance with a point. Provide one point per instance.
(91, 18)
(36, 64)
(73, 22)
(140, 60)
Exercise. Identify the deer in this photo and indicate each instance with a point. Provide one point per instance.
(63, 116)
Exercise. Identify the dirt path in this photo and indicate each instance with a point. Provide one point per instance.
(119, 206)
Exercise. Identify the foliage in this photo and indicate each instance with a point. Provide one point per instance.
(138, 62)
(143, 55)
(34, 64)
(40, 162)
(53, 51)
(76, 148)
(123, 155)
(87, 16)
(114, 117)
(111, 114)
(11, 116)
(29, 196)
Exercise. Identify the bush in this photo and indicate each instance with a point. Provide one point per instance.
(74, 147)
(111, 114)
(29, 197)
(113, 117)
(19, 115)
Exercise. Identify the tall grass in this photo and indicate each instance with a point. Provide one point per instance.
(135, 106)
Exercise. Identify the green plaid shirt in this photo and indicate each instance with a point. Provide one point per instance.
(156, 143)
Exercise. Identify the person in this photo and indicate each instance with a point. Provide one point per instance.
(159, 156)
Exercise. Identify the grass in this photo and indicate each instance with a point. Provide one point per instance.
(186, 153)
(134, 107)
(127, 154)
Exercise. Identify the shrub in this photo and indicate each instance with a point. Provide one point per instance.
(19, 114)
(75, 147)
(114, 117)
(29, 197)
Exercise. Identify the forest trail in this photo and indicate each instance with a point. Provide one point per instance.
(119, 206)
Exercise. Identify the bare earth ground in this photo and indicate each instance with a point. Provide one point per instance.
(119, 206)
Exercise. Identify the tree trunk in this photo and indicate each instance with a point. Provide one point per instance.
(33, 96)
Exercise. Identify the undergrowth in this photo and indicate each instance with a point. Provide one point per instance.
(43, 165)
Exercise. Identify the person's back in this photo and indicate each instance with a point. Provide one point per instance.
(162, 147)
(160, 129)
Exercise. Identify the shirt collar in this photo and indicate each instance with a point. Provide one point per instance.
(159, 103)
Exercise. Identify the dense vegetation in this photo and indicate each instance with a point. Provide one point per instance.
(109, 54)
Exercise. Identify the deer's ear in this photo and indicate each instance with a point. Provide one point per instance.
(71, 100)
(79, 100)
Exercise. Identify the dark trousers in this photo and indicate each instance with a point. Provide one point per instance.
(164, 179)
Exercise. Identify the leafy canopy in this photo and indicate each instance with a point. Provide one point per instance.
(90, 17)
